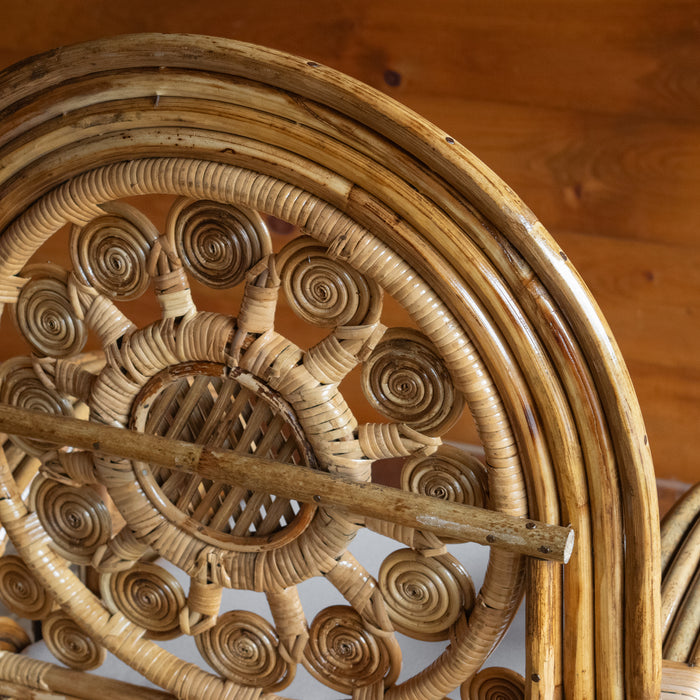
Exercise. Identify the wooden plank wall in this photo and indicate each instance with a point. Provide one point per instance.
(590, 110)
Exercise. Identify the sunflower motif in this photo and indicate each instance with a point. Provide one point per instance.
(235, 382)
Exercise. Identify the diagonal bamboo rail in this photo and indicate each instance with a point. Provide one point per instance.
(52, 681)
(456, 521)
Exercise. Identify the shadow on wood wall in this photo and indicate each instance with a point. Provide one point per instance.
(589, 110)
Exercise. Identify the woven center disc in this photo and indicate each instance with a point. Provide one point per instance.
(196, 402)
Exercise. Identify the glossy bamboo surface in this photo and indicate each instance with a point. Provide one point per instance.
(410, 208)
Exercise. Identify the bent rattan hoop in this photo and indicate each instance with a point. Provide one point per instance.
(411, 210)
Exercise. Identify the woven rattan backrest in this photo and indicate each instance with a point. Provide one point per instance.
(390, 211)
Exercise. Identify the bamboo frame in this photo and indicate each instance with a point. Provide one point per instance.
(398, 200)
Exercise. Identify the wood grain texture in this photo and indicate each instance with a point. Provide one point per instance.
(588, 110)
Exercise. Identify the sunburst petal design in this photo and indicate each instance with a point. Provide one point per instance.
(237, 383)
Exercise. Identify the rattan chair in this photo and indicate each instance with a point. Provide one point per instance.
(208, 442)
